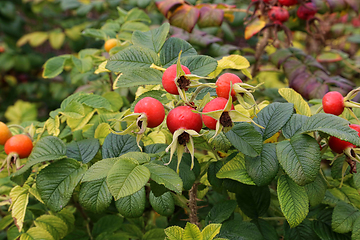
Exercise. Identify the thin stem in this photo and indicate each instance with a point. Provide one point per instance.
(193, 205)
(259, 50)
(197, 91)
(111, 81)
(86, 218)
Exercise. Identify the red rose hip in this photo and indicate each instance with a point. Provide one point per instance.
(333, 103)
(153, 109)
(338, 145)
(215, 104)
(278, 14)
(183, 117)
(223, 85)
(306, 11)
(20, 144)
(168, 79)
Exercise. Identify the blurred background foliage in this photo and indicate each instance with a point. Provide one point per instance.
(34, 31)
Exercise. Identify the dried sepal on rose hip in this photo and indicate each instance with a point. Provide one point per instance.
(177, 79)
(184, 124)
(148, 113)
(240, 91)
(334, 103)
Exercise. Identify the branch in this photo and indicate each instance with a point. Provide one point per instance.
(193, 205)
(260, 50)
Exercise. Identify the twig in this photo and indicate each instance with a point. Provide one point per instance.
(259, 50)
(111, 82)
(193, 205)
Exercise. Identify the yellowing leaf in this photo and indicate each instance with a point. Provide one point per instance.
(192, 232)
(102, 68)
(56, 39)
(301, 106)
(19, 198)
(53, 126)
(21, 112)
(210, 231)
(102, 131)
(253, 28)
(273, 138)
(38, 38)
(230, 62)
(141, 90)
(242, 110)
(174, 233)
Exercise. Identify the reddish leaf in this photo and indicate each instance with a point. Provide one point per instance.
(167, 6)
(210, 16)
(354, 4)
(253, 28)
(185, 17)
(329, 57)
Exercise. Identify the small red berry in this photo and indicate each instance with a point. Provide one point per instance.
(306, 11)
(223, 85)
(168, 79)
(333, 103)
(153, 110)
(288, 2)
(20, 144)
(338, 145)
(183, 117)
(218, 103)
(278, 14)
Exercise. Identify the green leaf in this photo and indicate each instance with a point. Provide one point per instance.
(74, 110)
(131, 26)
(19, 200)
(116, 145)
(164, 204)
(200, 65)
(316, 190)
(132, 206)
(153, 39)
(262, 169)
(132, 57)
(294, 125)
(356, 229)
(57, 182)
(131, 77)
(5, 222)
(302, 231)
(115, 99)
(46, 149)
(192, 232)
(171, 49)
(95, 195)
(293, 200)
(174, 233)
(300, 105)
(94, 33)
(343, 217)
(84, 150)
(136, 14)
(236, 230)
(165, 176)
(210, 231)
(300, 157)
(127, 177)
(325, 232)
(253, 201)
(108, 223)
(246, 139)
(273, 117)
(36, 233)
(54, 225)
(220, 142)
(221, 212)
(154, 234)
(351, 195)
(266, 229)
(56, 39)
(235, 169)
(54, 66)
(99, 170)
(213, 169)
(332, 125)
(82, 65)
(68, 217)
(88, 99)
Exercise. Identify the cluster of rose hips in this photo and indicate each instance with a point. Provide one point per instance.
(185, 120)
(16, 147)
(334, 103)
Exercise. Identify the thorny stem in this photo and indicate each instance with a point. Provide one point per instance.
(193, 206)
(259, 50)
(86, 218)
(111, 81)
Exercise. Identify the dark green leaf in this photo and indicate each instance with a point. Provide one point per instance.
(116, 145)
(84, 150)
(239, 230)
(246, 139)
(294, 125)
(332, 125)
(155, 234)
(262, 169)
(213, 169)
(57, 182)
(171, 49)
(95, 195)
(300, 157)
(220, 212)
(253, 201)
(300, 232)
(138, 76)
(199, 65)
(267, 230)
(99, 170)
(316, 190)
(132, 206)
(164, 204)
(343, 217)
(356, 229)
(108, 223)
(325, 232)
(273, 117)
